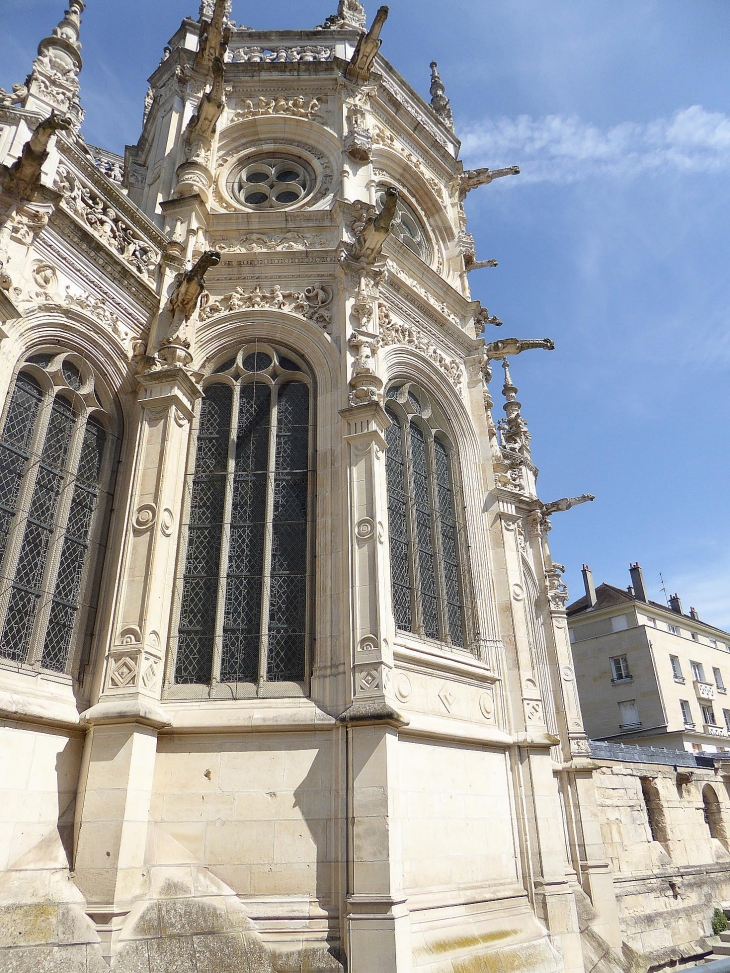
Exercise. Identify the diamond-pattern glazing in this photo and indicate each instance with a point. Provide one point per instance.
(22, 412)
(199, 603)
(439, 591)
(449, 544)
(398, 525)
(267, 500)
(43, 512)
(424, 532)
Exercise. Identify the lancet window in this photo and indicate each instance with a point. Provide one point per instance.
(54, 486)
(424, 523)
(244, 595)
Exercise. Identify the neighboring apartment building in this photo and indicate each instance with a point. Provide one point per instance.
(648, 673)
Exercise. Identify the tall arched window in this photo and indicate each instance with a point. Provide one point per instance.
(424, 527)
(243, 604)
(54, 467)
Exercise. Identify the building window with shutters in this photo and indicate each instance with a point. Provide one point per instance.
(719, 682)
(56, 449)
(425, 523)
(676, 668)
(686, 713)
(620, 669)
(244, 595)
(629, 715)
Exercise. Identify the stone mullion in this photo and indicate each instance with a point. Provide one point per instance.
(16, 536)
(220, 612)
(55, 545)
(268, 540)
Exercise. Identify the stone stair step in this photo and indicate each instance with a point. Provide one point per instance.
(721, 949)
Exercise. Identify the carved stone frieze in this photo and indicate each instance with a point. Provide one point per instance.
(255, 242)
(106, 224)
(394, 332)
(296, 107)
(258, 55)
(312, 303)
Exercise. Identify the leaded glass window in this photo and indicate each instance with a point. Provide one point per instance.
(244, 596)
(53, 456)
(426, 566)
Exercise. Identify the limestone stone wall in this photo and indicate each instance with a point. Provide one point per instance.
(261, 811)
(666, 889)
(458, 829)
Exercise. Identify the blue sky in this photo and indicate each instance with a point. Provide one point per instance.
(613, 241)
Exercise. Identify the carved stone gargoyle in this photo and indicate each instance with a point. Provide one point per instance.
(184, 300)
(566, 503)
(473, 178)
(360, 67)
(369, 244)
(507, 347)
(203, 123)
(23, 178)
(214, 38)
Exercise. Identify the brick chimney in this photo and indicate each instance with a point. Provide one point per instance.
(675, 604)
(589, 585)
(637, 580)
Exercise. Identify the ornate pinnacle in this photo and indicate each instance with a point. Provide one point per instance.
(53, 82)
(515, 435)
(439, 102)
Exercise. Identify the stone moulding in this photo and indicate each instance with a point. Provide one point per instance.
(253, 54)
(106, 224)
(312, 303)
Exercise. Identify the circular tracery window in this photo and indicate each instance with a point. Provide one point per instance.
(273, 182)
(406, 226)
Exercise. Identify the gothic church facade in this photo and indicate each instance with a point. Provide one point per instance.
(285, 679)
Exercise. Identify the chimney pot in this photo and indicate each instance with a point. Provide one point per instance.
(693, 613)
(637, 580)
(675, 604)
(630, 590)
(589, 586)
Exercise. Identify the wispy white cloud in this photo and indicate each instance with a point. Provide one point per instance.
(562, 149)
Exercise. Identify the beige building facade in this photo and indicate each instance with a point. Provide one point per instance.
(285, 676)
(648, 673)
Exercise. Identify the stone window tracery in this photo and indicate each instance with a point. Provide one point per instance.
(425, 531)
(244, 598)
(273, 182)
(54, 462)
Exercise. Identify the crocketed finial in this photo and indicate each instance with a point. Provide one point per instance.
(439, 102)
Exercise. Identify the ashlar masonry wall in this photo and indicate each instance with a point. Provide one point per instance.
(669, 872)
